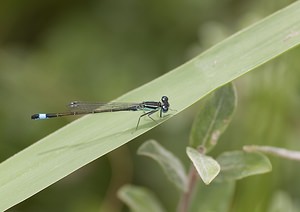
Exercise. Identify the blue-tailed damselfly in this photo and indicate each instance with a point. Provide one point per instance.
(82, 108)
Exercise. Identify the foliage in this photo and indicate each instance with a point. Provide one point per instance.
(53, 52)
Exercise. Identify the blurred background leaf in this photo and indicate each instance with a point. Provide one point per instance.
(170, 164)
(281, 201)
(216, 196)
(50, 54)
(278, 152)
(213, 118)
(236, 165)
(139, 199)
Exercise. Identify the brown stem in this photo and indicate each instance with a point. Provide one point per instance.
(186, 196)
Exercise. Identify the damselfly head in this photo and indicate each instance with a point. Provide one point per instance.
(165, 104)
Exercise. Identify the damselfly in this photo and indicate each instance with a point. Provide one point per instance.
(82, 108)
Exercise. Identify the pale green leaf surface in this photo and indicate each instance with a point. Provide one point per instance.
(277, 151)
(213, 118)
(206, 166)
(236, 165)
(139, 199)
(90, 137)
(171, 165)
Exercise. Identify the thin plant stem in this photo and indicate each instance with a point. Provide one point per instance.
(186, 196)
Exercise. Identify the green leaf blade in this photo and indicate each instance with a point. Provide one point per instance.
(206, 166)
(170, 164)
(214, 118)
(139, 199)
(237, 165)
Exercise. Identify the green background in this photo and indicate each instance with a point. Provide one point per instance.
(53, 52)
